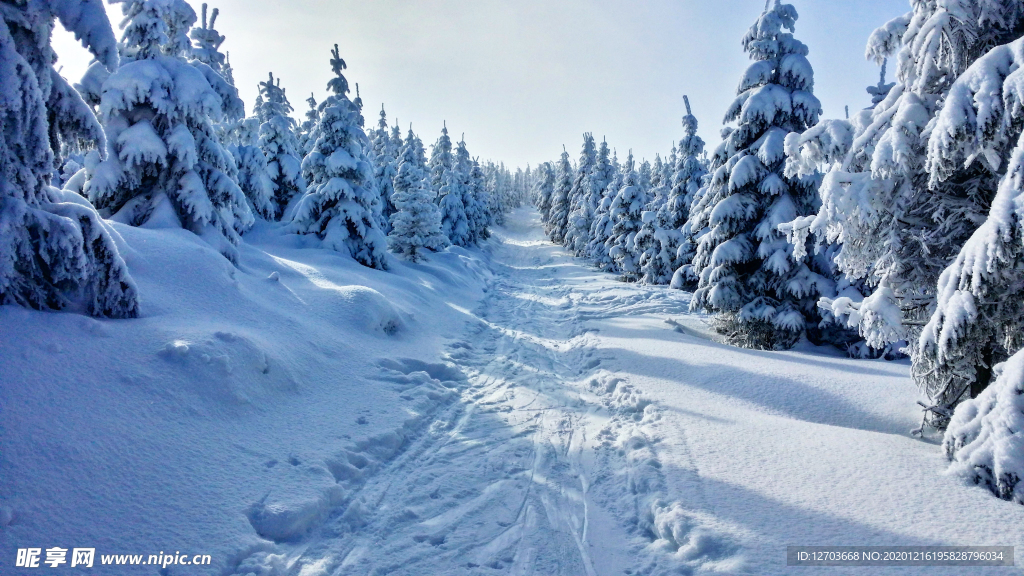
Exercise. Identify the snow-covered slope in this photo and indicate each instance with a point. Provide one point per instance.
(224, 413)
(504, 411)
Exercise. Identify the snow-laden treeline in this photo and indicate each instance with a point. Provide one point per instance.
(155, 135)
(897, 229)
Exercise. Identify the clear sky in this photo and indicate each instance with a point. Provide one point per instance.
(523, 77)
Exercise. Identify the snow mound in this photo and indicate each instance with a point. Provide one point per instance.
(369, 311)
(985, 437)
(288, 516)
(225, 367)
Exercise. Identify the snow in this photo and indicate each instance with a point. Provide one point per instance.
(502, 410)
(985, 438)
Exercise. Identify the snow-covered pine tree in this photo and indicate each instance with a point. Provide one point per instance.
(675, 216)
(208, 41)
(655, 243)
(763, 295)
(306, 131)
(253, 173)
(207, 57)
(165, 165)
(543, 187)
(652, 263)
(228, 72)
(985, 438)
(421, 155)
(416, 223)
(644, 178)
(384, 168)
(659, 184)
(496, 191)
(880, 90)
(900, 219)
(601, 230)
(338, 205)
(240, 135)
(670, 164)
(558, 215)
(627, 217)
(581, 215)
(478, 205)
(602, 175)
(441, 163)
(55, 250)
(979, 318)
(278, 142)
(396, 142)
(454, 222)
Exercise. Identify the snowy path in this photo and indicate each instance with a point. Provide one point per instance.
(572, 447)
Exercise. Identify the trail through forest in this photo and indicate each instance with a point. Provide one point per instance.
(550, 457)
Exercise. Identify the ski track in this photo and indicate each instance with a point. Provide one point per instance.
(535, 461)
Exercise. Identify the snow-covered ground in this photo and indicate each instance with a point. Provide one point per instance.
(502, 411)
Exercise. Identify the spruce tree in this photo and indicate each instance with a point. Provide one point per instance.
(416, 223)
(676, 214)
(644, 178)
(278, 142)
(659, 184)
(763, 295)
(454, 222)
(165, 165)
(55, 251)
(208, 42)
(338, 205)
(655, 250)
(558, 216)
(581, 216)
(979, 318)
(601, 230)
(384, 168)
(900, 212)
(421, 154)
(985, 438)
(307, 130)
(396, 142)
(496, 191)
(543, 188)
(253, 173)
(627, 217)
(478, 205)
(441, 163)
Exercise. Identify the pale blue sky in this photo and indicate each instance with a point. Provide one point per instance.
(523, 77)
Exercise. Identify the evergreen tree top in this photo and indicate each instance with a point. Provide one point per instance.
(275, 101)
(588, 154)
(441, 152)
(208, 41)
(312, 114)
(155, 28)
(766, 40)
(691, 144)
(776, 91)
(338, 84)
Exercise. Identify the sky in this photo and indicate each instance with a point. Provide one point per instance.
(522, 78)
